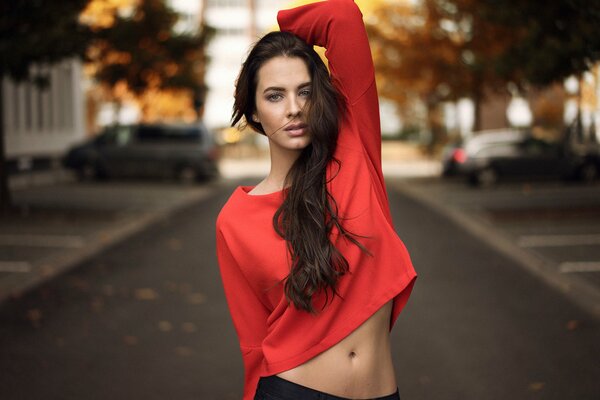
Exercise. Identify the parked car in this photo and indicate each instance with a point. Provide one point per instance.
(587, 147)
(185, 152)
(452, 157)
(489, 156)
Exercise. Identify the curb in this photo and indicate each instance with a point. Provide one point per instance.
(58, 264)
(581, 292)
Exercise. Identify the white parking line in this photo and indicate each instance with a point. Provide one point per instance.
(15, 266)
(558, 240)
(42, 241)
(582, 266)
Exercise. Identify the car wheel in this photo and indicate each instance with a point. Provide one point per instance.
(588, 172)
(187, 174)
(88, 172)
(486, 177)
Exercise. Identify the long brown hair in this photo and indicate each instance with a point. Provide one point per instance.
(309, 212)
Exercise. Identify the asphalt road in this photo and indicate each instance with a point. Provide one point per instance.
(147, 319)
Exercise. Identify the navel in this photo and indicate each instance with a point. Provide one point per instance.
(352, 354)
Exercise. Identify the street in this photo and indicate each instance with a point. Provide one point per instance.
(147, 319)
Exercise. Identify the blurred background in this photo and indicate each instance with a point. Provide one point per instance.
(116, 155)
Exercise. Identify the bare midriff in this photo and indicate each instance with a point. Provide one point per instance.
(358, 367)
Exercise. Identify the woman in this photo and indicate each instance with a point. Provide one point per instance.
(313, 271)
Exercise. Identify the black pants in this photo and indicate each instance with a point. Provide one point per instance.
(276, 388)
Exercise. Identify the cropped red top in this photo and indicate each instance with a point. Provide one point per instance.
(253, 259)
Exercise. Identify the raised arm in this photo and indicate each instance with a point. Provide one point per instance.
(336, 25)
(248, 313)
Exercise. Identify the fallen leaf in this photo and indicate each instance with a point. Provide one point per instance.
(573, 324)
(47, 270)
(108, 290)
(130, 340)
(146, 294)
(80, 284)
(174, 244)
(97, 304)
(165, 326)
(184, 351)
(34, 316)
(536, 386)
(196, 298)
(185, 288)
(188, 327)
(171, 286)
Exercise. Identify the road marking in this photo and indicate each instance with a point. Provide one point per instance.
(558, 240)
(42, 241)
(15, 266)
(582, 266)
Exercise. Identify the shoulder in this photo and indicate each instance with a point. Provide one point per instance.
(228, 212)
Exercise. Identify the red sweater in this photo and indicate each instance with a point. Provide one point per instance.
(253, 259)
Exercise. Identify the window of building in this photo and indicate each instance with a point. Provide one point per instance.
(28, 101)
(16, 107)
(227, 3)
(65, 84)
(40, 107)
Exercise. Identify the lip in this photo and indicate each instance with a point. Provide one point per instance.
(296, 129)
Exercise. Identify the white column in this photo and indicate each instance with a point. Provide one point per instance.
(78, 102)
(54, 99)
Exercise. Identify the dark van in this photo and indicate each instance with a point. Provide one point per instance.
(185, 152)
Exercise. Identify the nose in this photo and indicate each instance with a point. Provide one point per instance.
(294, 107)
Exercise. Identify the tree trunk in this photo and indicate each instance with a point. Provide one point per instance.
(436, 127)
(477, 105)
(116, 112)
(5, 197)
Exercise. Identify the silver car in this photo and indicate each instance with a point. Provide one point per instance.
(507, 154)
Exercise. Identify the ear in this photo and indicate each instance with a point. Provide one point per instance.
(255, 118)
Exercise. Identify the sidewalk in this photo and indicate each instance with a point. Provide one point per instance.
(63, 223)
(398, 160)
(550, 229)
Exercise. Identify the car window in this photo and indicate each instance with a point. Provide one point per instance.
(498, 150)
(187, 133)
(114, 136)
(536, 146)
(150, 133)
(165, 133)
(123, 136)
(105, 138)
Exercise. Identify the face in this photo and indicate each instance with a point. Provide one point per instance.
(283, 89)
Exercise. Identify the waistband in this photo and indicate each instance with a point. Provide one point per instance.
(278, 386)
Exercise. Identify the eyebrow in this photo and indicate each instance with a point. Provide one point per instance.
(303, 85)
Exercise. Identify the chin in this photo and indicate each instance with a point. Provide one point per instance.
(299, 146)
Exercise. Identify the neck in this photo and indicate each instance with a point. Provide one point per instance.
(281, 162)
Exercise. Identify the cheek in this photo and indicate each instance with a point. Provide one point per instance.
(268, 112)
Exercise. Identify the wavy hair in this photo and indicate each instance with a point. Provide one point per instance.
(309, 212)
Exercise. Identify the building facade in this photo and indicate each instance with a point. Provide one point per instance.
(41, 123)
(238, 24)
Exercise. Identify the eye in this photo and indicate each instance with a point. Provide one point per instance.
(274, 96)
(304, 93)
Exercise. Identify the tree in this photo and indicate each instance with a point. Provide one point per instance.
(142, 52)
(35, 32)
(555, 40)
(439, 50)
(558, 40)
(436, 51)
